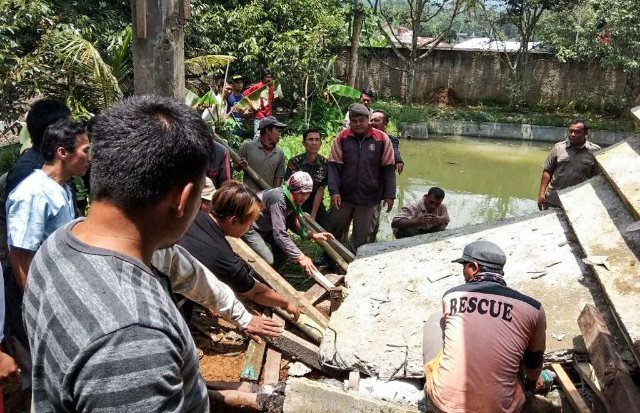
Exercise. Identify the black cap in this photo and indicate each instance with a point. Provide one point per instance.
(237, 77)
(358, 109)
(485, 253)
(270, 121)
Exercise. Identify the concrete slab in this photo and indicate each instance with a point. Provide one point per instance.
(599, 218)
(395, 286)
(621, 164)
(307, 396)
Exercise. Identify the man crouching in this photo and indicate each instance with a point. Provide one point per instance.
(474, 350)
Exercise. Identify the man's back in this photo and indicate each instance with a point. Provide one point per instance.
(488, 327)
(104, 334)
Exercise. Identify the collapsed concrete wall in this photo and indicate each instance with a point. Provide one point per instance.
(395, 286)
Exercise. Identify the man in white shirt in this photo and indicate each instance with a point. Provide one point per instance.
(43, 201)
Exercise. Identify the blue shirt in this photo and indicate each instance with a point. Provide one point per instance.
(232, 99)
(35, 209)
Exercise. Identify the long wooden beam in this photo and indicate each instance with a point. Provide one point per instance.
(275, 280)
(618, 389)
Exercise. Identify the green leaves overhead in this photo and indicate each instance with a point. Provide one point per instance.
(207, 63)
(344, 91)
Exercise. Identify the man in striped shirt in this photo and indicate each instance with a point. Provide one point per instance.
(103, 329)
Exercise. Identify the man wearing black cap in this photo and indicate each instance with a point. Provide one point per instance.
(474, 352)
(361, 174)
(263, 156)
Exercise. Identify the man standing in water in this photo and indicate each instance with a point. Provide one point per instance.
(569, 163)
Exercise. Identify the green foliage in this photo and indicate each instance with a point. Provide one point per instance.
(32, 33)
(8, 156)
(293, 38)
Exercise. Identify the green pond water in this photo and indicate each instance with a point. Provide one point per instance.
(484, 179)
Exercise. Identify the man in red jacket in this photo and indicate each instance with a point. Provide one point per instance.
(264, 110)
(361, 174)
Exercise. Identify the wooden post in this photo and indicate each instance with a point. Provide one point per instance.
(618, 390)
(275, 280)
(158, 48)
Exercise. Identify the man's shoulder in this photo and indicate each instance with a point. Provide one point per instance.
(378, 135)
(34, 184)
(592, 146)
(492, 288)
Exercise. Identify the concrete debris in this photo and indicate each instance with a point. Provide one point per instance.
(299, 369)
(597, 260)
(558, 337)
(404, 294)
(401, 391)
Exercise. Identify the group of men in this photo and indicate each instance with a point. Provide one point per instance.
(360, 174)
(135, 250)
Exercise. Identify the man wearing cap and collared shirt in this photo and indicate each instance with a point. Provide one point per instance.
(269, 237)
(361, 174)
(263, 156)
(569, 163)
(474, 351)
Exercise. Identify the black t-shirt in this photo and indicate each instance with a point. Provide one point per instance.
(206, 242)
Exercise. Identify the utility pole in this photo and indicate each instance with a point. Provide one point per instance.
(158, 46)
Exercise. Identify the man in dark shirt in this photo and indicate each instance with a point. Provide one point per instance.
(43, 113)
(233, 209)
(315, 165)
(219, 166)
(361, 175)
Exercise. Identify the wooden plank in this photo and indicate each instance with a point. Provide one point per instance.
(141, 19)
(618, 389)
(297, 349)
(275, 280)
(252, 364)
(322, 280)
(570, 390)
(316, 292)
(271, 370)
(588, 375)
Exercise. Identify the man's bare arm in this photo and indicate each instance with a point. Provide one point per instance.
(20, 260)
(544, 183)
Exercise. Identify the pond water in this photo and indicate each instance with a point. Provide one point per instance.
(484, 179)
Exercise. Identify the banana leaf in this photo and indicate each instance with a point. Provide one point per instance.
(252, 101)
(343, 91)
(207, 63)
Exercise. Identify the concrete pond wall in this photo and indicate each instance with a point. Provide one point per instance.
(479, 76)
(504, 131)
